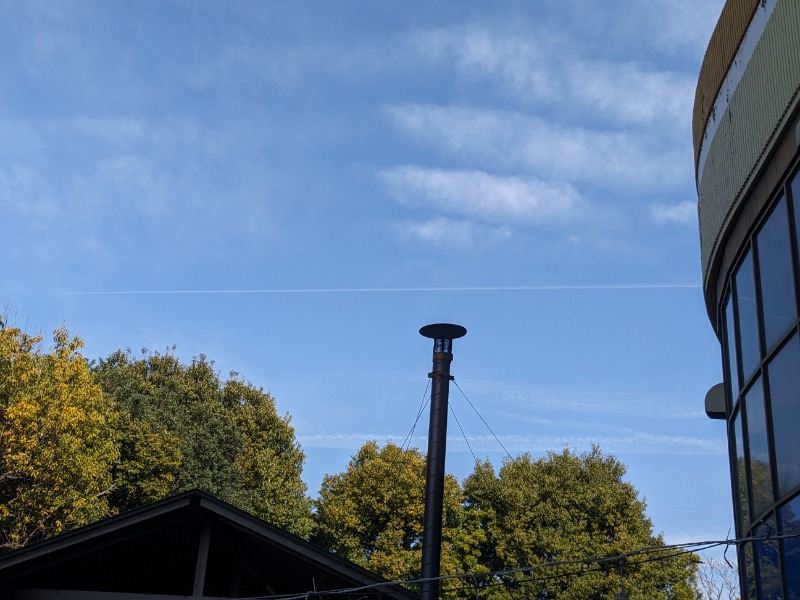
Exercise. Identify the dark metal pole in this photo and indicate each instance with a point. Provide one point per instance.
(443, 335)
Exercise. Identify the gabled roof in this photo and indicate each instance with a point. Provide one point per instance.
(188, 545)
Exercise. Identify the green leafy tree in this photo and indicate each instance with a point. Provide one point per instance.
(372, 514)
(269, 464)
(183, 428)
(56, 442)
(570, 507)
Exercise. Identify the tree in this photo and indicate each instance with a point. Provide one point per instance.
(268, 467)
(570, 507)
(56, 445)
(372, 515)
(183, 428)
(716, 580)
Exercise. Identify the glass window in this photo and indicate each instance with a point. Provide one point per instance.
(796, 202)
(730, 343)
(767, 563)
(790, 548)
(784, 393)
(748, 572)
(775, 271)
(748, 317)
(756, 431)
(740, 482)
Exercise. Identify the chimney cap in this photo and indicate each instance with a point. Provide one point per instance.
(438, 331)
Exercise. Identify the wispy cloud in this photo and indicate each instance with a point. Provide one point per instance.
(120, 130)
(132, 177)
(621, 160)
(684, 213)
(24, 193)
(450, 233)
(490, 198)
(544, 68)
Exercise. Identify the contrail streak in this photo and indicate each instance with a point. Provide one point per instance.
(516, 288)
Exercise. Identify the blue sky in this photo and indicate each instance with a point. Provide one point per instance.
(293, 189)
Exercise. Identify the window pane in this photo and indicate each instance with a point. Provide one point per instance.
(775, 272)
(756, 430)
(796, 202)
(730, 342)
(790, 548)
(769, 569)
(748, 572)
(784, 393)
(740, 483)
(748, 317)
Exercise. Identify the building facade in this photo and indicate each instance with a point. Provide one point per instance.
(746, 127)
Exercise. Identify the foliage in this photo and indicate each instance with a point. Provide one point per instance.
(568, 507)
(56, 446)
(372, 514)
(269, 463)
(78, 443)
(563, 507)
(183, 428)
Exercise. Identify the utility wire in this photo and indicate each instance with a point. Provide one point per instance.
(644, 555)
(422, 405)
(482, 419)
(475, 458)
(393, 468)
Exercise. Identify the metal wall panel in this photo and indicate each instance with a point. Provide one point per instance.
(728, 33)
(753, 121)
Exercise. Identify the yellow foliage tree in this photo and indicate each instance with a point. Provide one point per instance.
(372, 514)
(56, 439)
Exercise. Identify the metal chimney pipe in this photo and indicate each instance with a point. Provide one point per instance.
(443, 335)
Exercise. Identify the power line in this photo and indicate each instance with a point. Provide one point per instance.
(645, 554)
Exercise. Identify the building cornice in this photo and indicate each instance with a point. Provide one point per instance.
(720, 54)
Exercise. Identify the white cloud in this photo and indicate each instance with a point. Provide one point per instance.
(24, 193)
(131, 177)
(684, 213)
(117, 129)
(624, 161)
(543, 68)
(444, 232)
(491, 198)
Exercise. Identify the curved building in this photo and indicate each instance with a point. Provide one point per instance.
(746, 127)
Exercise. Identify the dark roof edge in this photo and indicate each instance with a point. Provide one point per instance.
(199, 501)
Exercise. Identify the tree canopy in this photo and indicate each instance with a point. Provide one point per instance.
(372, 514)
(79, 442)
(57, 448)
(561, 508)
(183, 428)
(570, 507)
